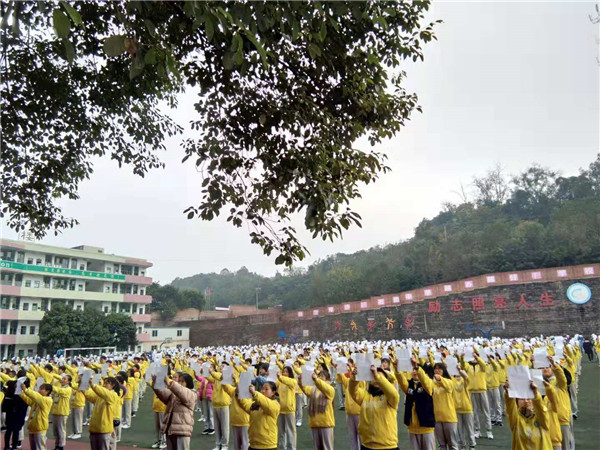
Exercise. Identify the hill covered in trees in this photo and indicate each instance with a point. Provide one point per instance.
(537, 218)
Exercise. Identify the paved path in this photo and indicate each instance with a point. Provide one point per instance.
(71, 445)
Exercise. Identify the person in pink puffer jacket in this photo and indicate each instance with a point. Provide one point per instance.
(205, 397)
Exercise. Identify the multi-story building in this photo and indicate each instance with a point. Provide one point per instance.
(159, 338)
(34, 277)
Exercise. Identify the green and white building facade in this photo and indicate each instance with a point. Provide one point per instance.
(34, 277)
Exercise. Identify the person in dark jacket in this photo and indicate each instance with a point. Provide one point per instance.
(419, 416)
(588, 348)
(16, 411)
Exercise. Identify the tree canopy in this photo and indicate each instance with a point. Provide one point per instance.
(167, 300)
(284, 90)
(63, 327)
(535, 219)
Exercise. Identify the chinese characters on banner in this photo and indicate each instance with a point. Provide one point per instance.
(497, 302)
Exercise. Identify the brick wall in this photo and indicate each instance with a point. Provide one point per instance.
(546, 311)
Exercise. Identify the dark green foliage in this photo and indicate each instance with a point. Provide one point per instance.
(168, 299)
(542, 220)
(63, 327)
(284, 91)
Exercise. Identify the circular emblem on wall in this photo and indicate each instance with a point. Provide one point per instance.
(579, 293)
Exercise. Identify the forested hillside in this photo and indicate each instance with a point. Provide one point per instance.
(534, 219)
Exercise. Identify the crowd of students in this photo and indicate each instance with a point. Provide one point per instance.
(454, 393)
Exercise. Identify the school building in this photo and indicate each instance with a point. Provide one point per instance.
(35, 277)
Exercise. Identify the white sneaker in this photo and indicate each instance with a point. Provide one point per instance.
(70, 436)
(125, 427)
(76, 436)
(477, 435)
(156, 444)
(162, 445)
(490, 435)
(299, 423)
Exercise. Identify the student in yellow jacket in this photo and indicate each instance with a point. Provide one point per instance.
(117, 411)
(378, 411)
(551, 403)
(559, 381)
(297, 366)
(127, 414)
(528, 421)
(105, 398)
(320, 408)
(477, 371)
(286, 386)
(240, 419)
(263, 411)
(220, 403)
(446, 420)
(77, 405)
(464, 411)
(351, 407)
(61, 396)
(41, 404)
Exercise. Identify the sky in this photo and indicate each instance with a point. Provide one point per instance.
(510, 83)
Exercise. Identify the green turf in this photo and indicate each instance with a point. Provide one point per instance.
(587, 427)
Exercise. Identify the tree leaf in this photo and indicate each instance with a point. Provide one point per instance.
(73, 14)
(209, 27)
(114, 45)
(61, 24)
(70, 50)
(151, 27)
(150, 56)
(259, 47)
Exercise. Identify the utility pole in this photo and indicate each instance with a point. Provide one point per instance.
(257, 290)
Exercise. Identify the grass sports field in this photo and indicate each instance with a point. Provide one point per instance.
(587, 427)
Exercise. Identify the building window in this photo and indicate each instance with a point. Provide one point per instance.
(23, 330)
(141, 292)
(79, 308)
(36, 284)
(38, 261)
(73, 264)
(30, 352)
(32, 330)
(108, 269)
(21, 353)
(27, 283)
(106, 310)
(81, 266)
(179, 333)
(107, 289)
(139, 348)
(154, 333)
(154, 347)
(29, 260)
(80, 287)
(136, 270)
(34, 306)
(139, 330)
(25, 306)
(20, 257)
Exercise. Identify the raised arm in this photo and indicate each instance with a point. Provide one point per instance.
(270, 407)
(185, 395)
(327, 389)
(390, 392)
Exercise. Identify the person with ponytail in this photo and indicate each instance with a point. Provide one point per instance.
(263, 411)
(378, 425)
(105, 398)
(320, 408)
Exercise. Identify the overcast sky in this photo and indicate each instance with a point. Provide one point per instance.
(508, 83)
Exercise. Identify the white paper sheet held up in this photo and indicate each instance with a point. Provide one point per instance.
(161, 373)
(519, 380)
(227, 375)
(244, 384)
